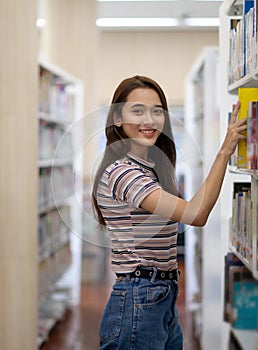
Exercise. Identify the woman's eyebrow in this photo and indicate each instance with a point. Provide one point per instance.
(144, 104)
(137, 105)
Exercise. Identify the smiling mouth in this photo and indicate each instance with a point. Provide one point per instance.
(148, 131)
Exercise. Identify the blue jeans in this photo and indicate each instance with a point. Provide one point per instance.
(141, 315)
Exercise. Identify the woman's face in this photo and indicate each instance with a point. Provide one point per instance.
(142, 119)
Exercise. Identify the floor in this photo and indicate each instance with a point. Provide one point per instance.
(79, 329)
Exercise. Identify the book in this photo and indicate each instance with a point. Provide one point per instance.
(245, 95)
(247, 32)
(251, 135)
(56, 97)
(255, 207)
(229, 260)
(243, 296)
(245, 305)
(256, 138)
(233, 158)
(234, 39)
(242, 230)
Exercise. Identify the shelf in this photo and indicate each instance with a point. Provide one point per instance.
(42, 257)
(194, 306)
(241, 257)
(249, 80)
(46, 163)
(44, 327)
(51, 311)
(233, 7)
(248, 339)
(235, 170)
(53, 120)
(54, 205)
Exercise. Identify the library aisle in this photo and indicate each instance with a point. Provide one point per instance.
(79, 329)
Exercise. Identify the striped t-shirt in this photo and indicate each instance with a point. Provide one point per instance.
(138, 237)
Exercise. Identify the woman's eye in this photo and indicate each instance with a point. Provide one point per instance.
(158, 111)
(138, 111)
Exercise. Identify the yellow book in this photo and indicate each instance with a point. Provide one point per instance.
(245, 95)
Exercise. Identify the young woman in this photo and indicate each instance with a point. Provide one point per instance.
(136, 198)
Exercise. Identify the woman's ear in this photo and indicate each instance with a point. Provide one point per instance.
(117, 120)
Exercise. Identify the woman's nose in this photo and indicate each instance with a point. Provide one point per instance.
(148, 118)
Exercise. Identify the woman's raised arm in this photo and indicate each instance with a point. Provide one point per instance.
(196, 211)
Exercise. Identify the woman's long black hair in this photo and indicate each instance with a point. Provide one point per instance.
(163, 153)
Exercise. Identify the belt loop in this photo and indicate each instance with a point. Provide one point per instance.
(154, 274)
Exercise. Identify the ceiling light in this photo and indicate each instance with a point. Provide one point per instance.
(41, 22)
(202, 22)
(137, 22)
(139, 0)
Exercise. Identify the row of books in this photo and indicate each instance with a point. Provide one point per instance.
(241, 236)
(56, 97)
(242, 43)
(53, 231)
(54, 141)
(246, 155)
(240, 295)
(53, 268)
(236, 53)
(55, 184)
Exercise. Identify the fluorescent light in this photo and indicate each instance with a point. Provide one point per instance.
(202, 22)
(137, 22)
(41, 22)
(156, 22)
(138, 0)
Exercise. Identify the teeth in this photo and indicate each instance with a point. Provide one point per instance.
(148, 131)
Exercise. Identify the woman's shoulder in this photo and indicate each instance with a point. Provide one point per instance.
(123, 164)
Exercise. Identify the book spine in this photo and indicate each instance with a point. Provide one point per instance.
(233, 158)
(251, 135)
(256, 125)
(242, 225)
(245, 96)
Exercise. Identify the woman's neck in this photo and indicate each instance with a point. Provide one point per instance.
(140, 152)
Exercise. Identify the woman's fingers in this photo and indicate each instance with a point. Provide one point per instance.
(239, 125)
(235, 112)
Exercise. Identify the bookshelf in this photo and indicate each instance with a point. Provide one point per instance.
(96, 245)
(202, 124)
(177, 113)
(238, 69)
(59, 195)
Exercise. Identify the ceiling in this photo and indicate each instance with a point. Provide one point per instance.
(174, 14)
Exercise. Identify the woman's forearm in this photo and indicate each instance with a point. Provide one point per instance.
(205, 198)
(200, 206)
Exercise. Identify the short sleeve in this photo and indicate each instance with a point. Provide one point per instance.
(131, 184)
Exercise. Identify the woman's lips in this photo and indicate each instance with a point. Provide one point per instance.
(148, 132)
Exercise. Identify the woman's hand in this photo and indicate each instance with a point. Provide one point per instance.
(235, 132)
